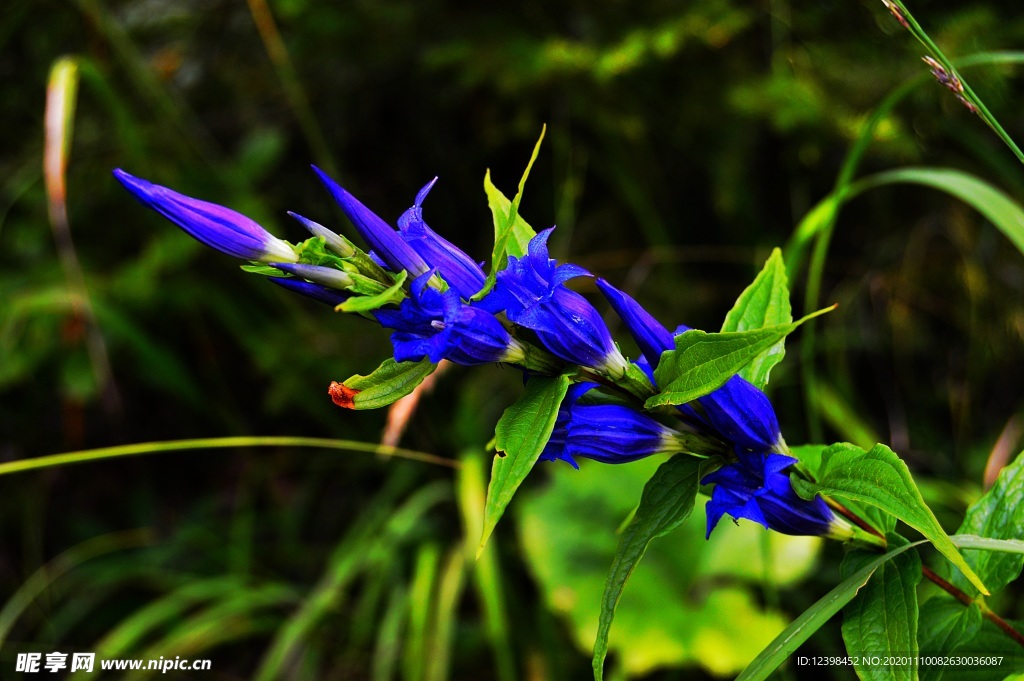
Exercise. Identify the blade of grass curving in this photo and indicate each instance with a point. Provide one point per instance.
(820, 221)
(379, 528)
(812, 619)
(471, 492)
(42, 578)
(1002, 211)
(61, 99)
(233, 616)
(389, 645)
(973, 541)
(449, 590)
(131, 630)
(421, 595)
(104, 453)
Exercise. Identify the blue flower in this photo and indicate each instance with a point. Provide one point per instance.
(757, 487)
(609, 433)
(532, 292)
(216, 226)
(380, 236)
(415, 248)
(739, 412)
(330, 296)
(460, 271)
(440, 326)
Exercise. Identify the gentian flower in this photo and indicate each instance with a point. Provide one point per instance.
(381, 237)
(439, 326)
(216, 226)
(738, 411)
(609, 433)
(532, 292)
(757, 487)
(460, 271)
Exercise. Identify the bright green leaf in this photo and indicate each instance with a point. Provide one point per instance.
(882, 619)
(999, 514)
(519, 437)
(389, 382)
(703, 362)
(392, 295)
(666, 502)
(880, 478)
(512, 234)
(947, 627)
(764, 303)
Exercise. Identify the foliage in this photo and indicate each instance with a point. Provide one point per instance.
(684, 142)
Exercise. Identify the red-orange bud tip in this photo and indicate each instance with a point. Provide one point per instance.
(342, 395)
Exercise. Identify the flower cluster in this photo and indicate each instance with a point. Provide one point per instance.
(436, 300)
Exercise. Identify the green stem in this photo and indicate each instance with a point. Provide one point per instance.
(22, 465)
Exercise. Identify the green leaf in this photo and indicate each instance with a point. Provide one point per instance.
(1002, 211)
(947, 627)
(972, 541)
(880, 478)
(388, 383)
(266, 270)
(812, 619)
(512, 233)
(703, 362)
(666, 502)
(390, 296)
(999, 514)
(881, 620)
(521, 434)
(764, 303)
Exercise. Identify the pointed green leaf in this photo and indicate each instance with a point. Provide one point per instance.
(812, 619)
(512, 233)
(388, 383)
(519, 437)
(703, 362)
(882, 619)
(947, 627)
(880, 478)
(999, 514)
(390, 296)
(764, 303)
(666, 502)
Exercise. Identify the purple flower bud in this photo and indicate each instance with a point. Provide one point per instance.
(216, 226)
(379, 235)
(439, 326)
(460, 271)
(609, 433)
(334, 242)
(739, 412)
(325, 276)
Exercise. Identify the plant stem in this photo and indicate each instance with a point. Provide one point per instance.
(218, 443)
(968, 601)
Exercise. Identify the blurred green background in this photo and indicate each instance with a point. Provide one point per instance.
(685, 140)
